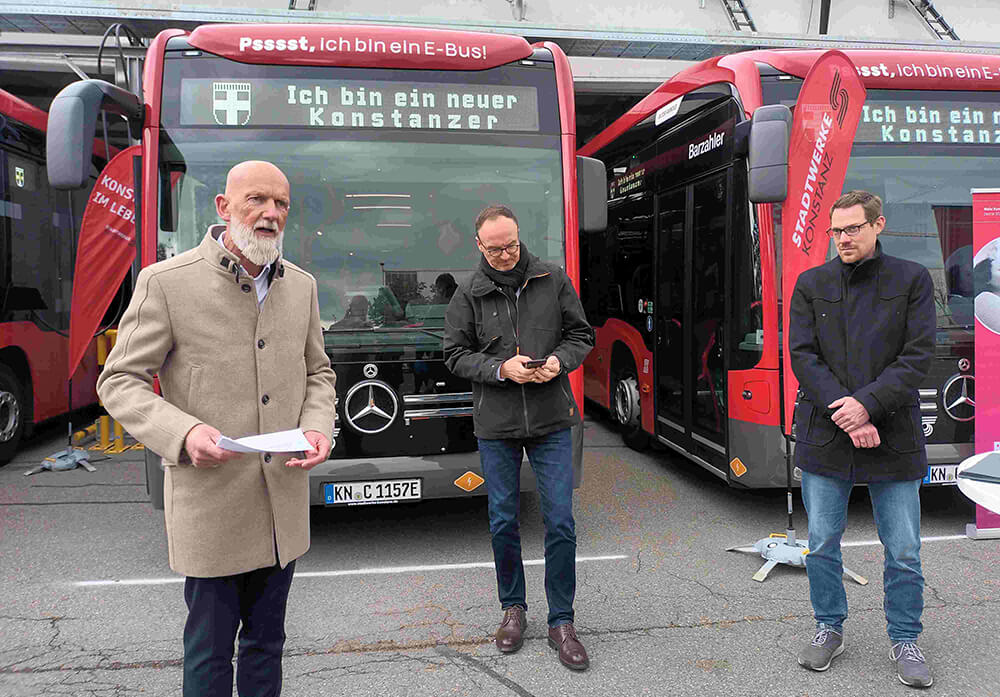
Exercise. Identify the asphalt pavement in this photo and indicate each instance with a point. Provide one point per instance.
(401, 599)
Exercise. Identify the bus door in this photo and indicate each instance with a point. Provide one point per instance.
(690, 313)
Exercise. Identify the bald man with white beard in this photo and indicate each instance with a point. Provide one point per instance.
(233, 333)
(254, 233)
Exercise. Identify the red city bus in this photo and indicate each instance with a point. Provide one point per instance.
(684, 285)
(392, 139)
(38, 227)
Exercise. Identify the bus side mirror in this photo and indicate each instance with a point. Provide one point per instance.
(767, 159)
(69, 138)
(592, 194)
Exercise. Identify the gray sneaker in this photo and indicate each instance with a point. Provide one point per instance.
(820, 652)
(911, 666)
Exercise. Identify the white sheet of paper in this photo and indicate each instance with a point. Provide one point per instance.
(291, 441)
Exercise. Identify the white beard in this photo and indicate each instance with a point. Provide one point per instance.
(259, 250)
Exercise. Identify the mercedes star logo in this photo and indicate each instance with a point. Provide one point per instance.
(370, 370)
(959, 397)
(371, 406)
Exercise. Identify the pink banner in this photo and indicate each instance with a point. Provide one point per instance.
(986, 274)
(826, 116)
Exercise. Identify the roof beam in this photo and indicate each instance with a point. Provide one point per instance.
(148, 22)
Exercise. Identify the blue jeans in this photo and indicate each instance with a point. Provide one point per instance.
(551, 457)
(216, 609)
(896, 506)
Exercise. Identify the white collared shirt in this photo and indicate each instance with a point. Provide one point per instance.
(260, 281)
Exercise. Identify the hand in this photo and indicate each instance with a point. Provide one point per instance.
(200, 444)
(319, 453)
(548, 371)
(513, 369)
(865, 436)
(850, 413)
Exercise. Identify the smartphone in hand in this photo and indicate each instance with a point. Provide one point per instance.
(535, 363)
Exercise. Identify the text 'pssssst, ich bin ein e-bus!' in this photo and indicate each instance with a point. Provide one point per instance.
(364, 45)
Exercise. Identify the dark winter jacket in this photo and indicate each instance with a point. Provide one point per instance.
(484, 327)
(864, 330)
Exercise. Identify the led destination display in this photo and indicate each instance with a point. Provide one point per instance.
(929, 121)
(353, 104)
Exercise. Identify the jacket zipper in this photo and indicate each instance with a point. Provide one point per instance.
(569, 399)
(517, 344)
(517, 348)
(844, 310)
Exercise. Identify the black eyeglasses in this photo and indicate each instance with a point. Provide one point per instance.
(850, 230)
(494, 252)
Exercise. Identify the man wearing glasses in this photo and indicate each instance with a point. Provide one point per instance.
(516, 329)
(861, 336)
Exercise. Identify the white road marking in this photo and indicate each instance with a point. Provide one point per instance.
(348, 572)
(869, 543)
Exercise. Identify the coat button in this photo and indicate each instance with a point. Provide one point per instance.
(267, 457)
(245, 287)
(261, 344)
(265, 399)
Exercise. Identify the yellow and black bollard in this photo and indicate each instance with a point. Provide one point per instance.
(83, 435)
(105, 424)
(103, 421)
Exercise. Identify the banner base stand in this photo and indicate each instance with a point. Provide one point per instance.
(780, 548)
(974, 533)
(785, 548)
(62, 461)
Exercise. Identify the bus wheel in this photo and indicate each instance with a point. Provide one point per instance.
(11, 414)
(628, 411)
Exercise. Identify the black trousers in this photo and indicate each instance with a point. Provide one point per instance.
(216, 609)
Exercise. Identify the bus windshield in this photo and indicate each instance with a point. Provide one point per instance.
(381, 216)
(923, 152)
(928, 209)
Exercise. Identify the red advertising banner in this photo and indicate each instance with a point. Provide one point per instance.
(105, 251)
(826, 117)
(986, 275)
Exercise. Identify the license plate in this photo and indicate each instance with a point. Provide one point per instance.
(941, 474)
(379, 491)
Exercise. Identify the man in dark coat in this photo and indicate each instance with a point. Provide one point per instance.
(516, 311)
(861, 336)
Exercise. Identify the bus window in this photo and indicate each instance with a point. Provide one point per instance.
(670, 303)
(746, 309)
(632, 232)
(708, 304)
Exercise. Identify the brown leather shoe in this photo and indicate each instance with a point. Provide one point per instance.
(571, 652)
(510, 635)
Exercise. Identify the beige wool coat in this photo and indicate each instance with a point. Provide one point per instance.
(245, 370)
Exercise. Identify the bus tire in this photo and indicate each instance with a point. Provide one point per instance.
(12, 411)
(626, 410)
(154, 479)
